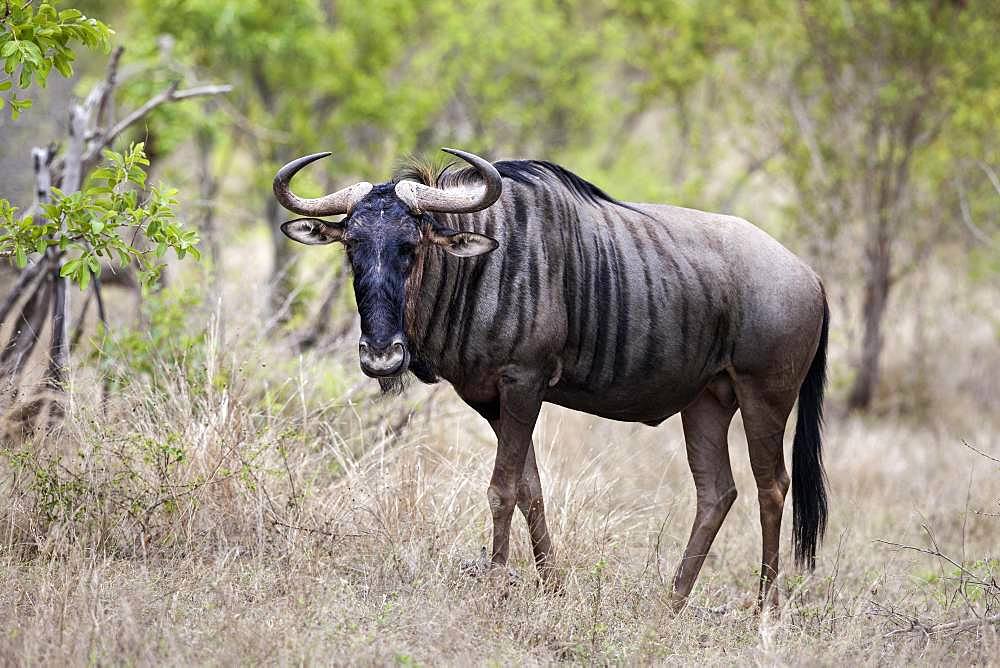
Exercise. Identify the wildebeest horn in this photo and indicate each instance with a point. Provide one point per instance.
(329, 205)
(464, 199)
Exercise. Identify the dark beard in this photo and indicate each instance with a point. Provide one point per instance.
(393, 386)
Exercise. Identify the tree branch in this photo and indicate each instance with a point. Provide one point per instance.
(24, 281)
(23, 339)
(55, 375)
(81, 320)
(170, 94)
(990, 174)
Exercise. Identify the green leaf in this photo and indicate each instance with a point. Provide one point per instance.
(63, 66)
(69, 268)
(42, 74)
(24, 80)
(103, 173)
(31, 52)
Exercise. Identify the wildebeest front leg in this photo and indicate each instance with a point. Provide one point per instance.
(529, 500)
(520, 401)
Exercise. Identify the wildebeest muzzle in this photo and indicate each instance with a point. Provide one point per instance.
(380, 358)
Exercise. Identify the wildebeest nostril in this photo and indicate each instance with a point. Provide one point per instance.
(371, 344)
(381, 346)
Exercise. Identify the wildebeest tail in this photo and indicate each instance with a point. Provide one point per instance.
(809, 504)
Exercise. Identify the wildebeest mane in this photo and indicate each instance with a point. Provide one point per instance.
(532, 173)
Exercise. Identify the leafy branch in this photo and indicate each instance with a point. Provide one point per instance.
(34, 41)
(103, 221)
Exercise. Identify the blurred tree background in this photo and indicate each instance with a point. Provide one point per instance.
(862, 133)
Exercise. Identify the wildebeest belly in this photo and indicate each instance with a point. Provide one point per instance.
(649, 400)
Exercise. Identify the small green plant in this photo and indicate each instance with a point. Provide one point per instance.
(167, 342)
(103, 220)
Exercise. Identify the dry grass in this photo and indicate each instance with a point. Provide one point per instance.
(245, 509)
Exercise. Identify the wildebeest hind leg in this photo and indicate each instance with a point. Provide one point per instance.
(765, 407)
(706, 424)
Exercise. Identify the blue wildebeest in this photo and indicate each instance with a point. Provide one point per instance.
(520, 283)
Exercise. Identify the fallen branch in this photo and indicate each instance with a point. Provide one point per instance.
(963, 625)
(943, 629)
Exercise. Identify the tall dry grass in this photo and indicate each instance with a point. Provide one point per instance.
(245, 505)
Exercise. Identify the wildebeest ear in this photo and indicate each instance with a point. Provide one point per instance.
(312, 231)
(463, 244)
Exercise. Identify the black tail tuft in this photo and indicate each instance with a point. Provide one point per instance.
(809, 506)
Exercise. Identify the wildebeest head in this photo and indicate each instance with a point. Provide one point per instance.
(384, 228)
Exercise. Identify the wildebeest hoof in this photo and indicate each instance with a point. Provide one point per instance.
(483, 566)
(707, 613)
(678, 604)
(675, 602)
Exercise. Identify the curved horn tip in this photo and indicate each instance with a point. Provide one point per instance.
(468, 198)
(459, 153)
(289, 169)
(482, 164)
(328, 205)
(312, 157)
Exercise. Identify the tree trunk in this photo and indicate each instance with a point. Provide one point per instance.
(282, 255)
(321, 324)
(209, 190)
(878, 282)
(282, 267)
